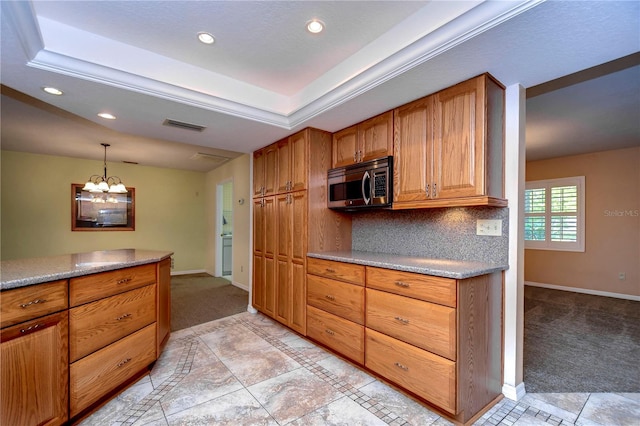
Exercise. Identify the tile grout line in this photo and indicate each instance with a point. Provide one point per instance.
(368, 403)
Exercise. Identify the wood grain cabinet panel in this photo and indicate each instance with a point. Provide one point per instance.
(425, 325)
(92, 287)
(342, 299)
(339, 334)
(35, 372)
(347, 272)
(101, 372)
(371, 139)
(424, 287)
(421, 372)
(95, 325)
(30, 302)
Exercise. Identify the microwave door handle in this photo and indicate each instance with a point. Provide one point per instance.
(366, 188)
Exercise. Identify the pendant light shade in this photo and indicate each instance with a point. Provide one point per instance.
(100, 184)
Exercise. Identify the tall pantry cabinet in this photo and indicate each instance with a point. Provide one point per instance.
(291, 222)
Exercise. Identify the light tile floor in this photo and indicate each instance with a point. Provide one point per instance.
(249, 370)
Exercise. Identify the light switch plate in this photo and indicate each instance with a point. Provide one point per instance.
(491, 227)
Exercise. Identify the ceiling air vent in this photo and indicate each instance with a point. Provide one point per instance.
(182, 125)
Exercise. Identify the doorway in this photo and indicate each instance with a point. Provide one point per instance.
(224, 230)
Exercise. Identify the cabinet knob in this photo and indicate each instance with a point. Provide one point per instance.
(330, 270)
(402, 320)
(30, 328)
(121, 317)
(330, 297)
(402, 284)
(403, 367)
(435, 192)
(329, 332)
(124, 280)
(123, 362)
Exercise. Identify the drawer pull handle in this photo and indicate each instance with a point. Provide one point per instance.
(124, 280)
(121, 317)
(402, 284)
(33, 302)
(403, 367)
(123, 362)
(330, 270)
(329, 332)
(30, 328)
(330, 297)
(402, 320)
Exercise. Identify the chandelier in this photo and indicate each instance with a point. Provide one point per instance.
(100, 184)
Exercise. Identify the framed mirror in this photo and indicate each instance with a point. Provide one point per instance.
(102, 211)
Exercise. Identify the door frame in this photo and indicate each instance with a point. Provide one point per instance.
(218, 222)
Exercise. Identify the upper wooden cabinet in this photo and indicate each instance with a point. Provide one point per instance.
(365, 141)
(292, 163)
(448, 147)
(265, 163)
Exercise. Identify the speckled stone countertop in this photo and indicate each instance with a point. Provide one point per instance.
(457, 269)
(23, 272)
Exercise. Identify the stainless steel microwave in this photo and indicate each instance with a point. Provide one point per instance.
(362, 185)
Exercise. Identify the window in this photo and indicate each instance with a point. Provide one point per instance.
(554, 214)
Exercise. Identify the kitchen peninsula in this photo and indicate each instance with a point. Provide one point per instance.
(77, 328)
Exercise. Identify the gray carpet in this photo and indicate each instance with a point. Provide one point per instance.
(580, 343)
(200, 298)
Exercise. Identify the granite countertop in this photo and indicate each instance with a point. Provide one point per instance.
(458, 269)
(23, 272)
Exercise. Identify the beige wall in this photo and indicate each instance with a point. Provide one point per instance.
(36, 209)
(612, 232)
(238, 171)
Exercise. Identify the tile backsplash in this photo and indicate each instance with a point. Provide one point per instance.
(448, 233)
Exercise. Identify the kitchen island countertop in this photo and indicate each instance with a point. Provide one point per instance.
(23, 272)
(458, 269)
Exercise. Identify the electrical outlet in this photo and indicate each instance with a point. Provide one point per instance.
(622, 276)
(241, 268)
(489, 227)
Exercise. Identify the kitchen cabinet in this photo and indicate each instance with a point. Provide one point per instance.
(297, 221)
(336, 306)
(34, 355)
(365, 141)
(438, 338)
(264, 248)
(292, 163)
(448, 147)
(265, 163)
(163, 302)
(112, 331)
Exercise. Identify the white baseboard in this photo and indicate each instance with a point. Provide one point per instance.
(584, 290)
(195, 271)
(251, 309)
(514, 393)
(239, 285)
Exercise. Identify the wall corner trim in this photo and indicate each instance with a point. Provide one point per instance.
(514, 393)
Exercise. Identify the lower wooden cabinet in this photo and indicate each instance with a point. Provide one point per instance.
(34, 360)
(101, 372)
(339, 334)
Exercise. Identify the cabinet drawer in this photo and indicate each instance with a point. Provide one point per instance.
(424, 287)
(25, 303)
(95, 325)
(101, 372)
(423, 324)
(423, 373)
(96, 286)
(336, 270)
(342, 299)
(341, 335)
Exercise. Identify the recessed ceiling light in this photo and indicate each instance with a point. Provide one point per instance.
(52, 91)
(315, 26)
(107, 116)
(206, 38)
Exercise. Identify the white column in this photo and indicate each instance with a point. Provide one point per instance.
(250, 308)
(515, 119)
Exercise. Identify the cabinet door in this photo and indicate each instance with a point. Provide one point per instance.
(283, 255)
(376, 137)
(258, 173)
(283, 226)
(458, 152)
(412, 150)
(298, 206)
(34, 362)
(283, 290)
(258, 226)
(258, 282)
(298, 168)
(284, 166)
(345, 147)
(270, 169)
(269, 229)
(270, 286)
(298, 320)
